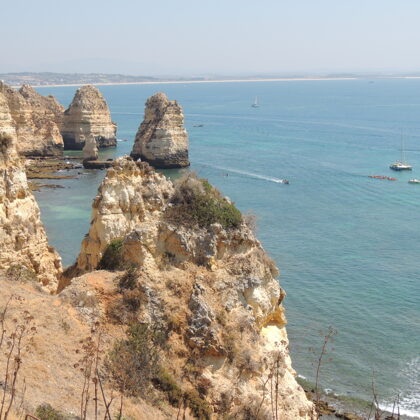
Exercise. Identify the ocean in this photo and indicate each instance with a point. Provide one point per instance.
(348, 246)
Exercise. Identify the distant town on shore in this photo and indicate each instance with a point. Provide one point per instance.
(51, 79)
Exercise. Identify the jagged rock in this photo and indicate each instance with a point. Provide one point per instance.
(214, 290)
(201, 334)
(88, 115)
(161, 138)
(37, 121)
(23, 241)
(129, 196)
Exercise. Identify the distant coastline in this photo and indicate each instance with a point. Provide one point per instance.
(40, 80)
(168, 82)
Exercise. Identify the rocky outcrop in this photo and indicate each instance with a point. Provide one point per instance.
(88, 115)
(37, 120)
(129, 195)
(211, 286)
(161, 139)
(23, 241)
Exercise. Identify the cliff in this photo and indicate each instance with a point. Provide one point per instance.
(161, 138)
(37, 120)
(88, 115)
(47, 105)
(22, 236)
(203, 277)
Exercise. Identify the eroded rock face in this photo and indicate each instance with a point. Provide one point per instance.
(88, 115)
(214, 289)
(37, 121)
(23, 240)
(161, 138)
(129, 196)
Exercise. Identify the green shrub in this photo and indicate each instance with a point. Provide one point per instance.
(197, 202)
(112, 258)
(46, 412)
(167, 384)
(198, 406)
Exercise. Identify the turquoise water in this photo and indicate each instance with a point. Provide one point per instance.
(348, 246)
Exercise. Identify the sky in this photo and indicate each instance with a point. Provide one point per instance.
(215, 37)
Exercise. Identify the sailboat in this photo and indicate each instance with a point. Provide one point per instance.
(255, 104)
(401, 165)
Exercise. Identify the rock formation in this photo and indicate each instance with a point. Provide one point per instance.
(161, 138)
(211, 285)
(88, 115)
(90, 149)
(37, 121)
(23, 241)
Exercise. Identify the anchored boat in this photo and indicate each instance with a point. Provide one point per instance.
(401, 165)
(414, 181)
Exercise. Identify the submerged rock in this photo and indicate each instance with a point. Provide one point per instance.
(88, 115)
(23, 241)
(37, 120)
(161, 139)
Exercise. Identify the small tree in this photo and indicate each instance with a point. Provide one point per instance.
(134, 361)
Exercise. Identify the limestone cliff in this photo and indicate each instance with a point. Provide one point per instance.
(23, 241)
(210, 284)
(47, 105)
(37, 121)
(88, 115)
(161, 138)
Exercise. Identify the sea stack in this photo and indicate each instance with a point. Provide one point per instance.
(90, 149)
(23, 241)
(161, 139)
(88, 115)
(37, 120)
(209, 285)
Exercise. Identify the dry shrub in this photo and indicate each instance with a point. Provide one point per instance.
(270, 263)
(47, 412)
(124, 309)
(246, 362)
(230, 341)
(84, 299)
(128, 280)
(250, 219)
(20, 273)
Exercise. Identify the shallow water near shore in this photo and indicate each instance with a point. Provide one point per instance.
(347, 245)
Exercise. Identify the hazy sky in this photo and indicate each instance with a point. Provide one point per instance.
(188, 37)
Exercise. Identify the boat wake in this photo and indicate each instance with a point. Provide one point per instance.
(250, 174)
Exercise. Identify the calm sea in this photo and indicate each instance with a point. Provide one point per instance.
(348, 246)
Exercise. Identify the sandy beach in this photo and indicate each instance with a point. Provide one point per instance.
(167, 82)
(277, 79)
